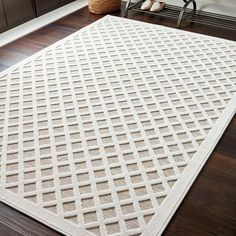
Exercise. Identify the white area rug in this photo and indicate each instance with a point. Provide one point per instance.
(104, 132)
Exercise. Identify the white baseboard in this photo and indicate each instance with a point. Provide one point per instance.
(39, 22)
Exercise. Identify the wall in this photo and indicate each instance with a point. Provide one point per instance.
(226, 7)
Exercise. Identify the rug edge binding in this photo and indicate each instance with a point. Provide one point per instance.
(191, 172)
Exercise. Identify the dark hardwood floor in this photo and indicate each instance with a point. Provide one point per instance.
(210, 206)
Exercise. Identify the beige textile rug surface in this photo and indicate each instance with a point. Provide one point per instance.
(104, 132)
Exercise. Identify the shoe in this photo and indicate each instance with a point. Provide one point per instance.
(147, 5)
(157, 6)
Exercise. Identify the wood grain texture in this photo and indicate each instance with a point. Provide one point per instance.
(210, 206)
(7, 230)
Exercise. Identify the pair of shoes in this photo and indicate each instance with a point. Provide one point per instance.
(152, 5)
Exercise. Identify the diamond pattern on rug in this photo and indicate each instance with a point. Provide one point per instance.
(98, 129)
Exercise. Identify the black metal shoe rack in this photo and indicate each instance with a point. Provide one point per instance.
(186, 14)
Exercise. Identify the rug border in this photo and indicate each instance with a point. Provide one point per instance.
(176, 196)
(170, 205)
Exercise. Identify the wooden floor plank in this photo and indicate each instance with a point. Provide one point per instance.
(22, 223)
(215, 195)
(9, 57)
(227, 144)
(6, 230)
(22, 47)
(179, 227)
(207, 219)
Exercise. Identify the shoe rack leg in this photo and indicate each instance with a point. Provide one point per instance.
(128, 6)
(187, 2)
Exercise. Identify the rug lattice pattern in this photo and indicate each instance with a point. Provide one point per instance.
(98, 129)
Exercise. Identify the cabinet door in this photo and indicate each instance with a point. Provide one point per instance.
(43, 6)
(18, 11)
(66, 1)
(3, 22)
